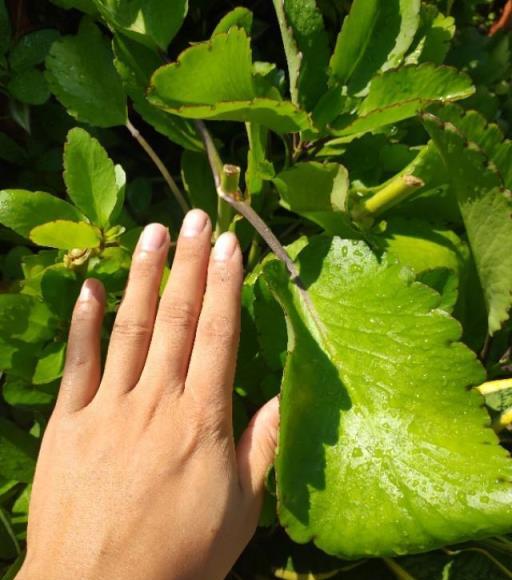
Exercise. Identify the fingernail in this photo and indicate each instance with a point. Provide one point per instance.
(153, 237)
(225, 247)
(194, 223)
(90, 289)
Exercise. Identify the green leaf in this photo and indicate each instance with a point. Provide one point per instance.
(433, 38)
(50, 364)
(318, 192)
(81, 75)
(60, 287)
(5, 27)
(90, 177)
(18, 452)
(25, 395)
(86, 6)
(9, 547)
(11, 151)
(198, 182)
(135, 64)
(29, 86)
(382, 449)
(400, 94)
(307, 49)
(375, 36)
(111, 268)
(432, 252)
(213, 80)
(25, 318)
(486, 209)
(32, 48)
(151, 22)
(66, 235)
(239, 17)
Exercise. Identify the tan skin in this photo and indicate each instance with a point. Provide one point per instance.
(138, 475)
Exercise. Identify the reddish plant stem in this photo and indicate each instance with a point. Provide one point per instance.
(504, 21)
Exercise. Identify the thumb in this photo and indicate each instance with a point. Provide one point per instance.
(257, 447)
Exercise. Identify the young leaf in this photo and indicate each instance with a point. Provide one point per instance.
(375, 36)
(151, 22)
(90, 177)
(307, 49)
(65, 235)
(317, 191)
(18, 452)
(135, 64)
(23, 210)
(486, 208)
(81, 75)
(399, 94)
(239, 17)
(382, 449)
(213, 80)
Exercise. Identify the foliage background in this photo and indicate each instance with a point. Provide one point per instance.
(34, 127)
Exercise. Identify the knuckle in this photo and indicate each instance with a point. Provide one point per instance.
(219, 329)
(178, 315)
(132, 329)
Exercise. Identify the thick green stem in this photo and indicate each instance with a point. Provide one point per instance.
(135, 133)
(390, 195)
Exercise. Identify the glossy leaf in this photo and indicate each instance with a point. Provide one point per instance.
(65, 235)
(400, 94)
(214, 80)
(151, 22)
(486, 209)
(23, 210)
(90, 177)
(18, 452)
(382, 449)
(82, 76)
(135, 64)
(307, 49)
(32, 48)
(375, 36)
(316, 191)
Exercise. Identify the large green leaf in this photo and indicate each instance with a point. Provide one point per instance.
(24, 318)
(23, 210)
(486, 208)
(213, 80)
(135, 64)
(82, 76)
(18, 452)
(399, 94)
(433, 38)
(32, 48)
(25, 395)
(375, 36)
(198, 182)
(29, 86)
(307, 49)
(66, 235)
(382, 449)
(317, 191)
(151, 22)
(90, 177)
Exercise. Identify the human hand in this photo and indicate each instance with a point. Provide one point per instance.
(138, 476)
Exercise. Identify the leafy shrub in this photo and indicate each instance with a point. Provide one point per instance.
(393, 202)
